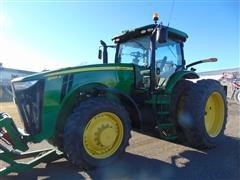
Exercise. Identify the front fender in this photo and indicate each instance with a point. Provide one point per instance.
(72, 99)
(178, 76)
(80, 93)
(127, 102)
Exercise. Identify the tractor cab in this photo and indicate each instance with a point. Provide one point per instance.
(156, 51)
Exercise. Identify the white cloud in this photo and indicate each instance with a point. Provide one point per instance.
(17, 55)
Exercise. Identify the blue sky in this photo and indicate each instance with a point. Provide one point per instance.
(37, 35)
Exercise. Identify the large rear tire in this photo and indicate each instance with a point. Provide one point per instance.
(96, 133)
(179, 96)
(205, 114)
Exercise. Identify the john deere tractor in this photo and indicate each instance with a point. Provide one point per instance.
(87, 112)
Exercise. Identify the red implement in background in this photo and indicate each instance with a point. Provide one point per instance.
(4, 136)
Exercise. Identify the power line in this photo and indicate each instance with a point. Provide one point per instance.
(171, 11)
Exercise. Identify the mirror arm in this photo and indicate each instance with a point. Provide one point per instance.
(201, 61)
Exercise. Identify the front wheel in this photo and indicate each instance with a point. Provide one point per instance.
(205, 114)
(96, 133)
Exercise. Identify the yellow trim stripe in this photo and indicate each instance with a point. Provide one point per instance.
(91, 69)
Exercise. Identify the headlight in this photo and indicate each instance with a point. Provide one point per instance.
(23, 85)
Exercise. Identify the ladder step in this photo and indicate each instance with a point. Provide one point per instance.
(163, 113)
(166, 125)
(170, 138)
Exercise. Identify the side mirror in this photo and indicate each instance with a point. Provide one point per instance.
(161, 35)
(99, 54)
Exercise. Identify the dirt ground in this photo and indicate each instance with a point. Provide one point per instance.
(151, 158)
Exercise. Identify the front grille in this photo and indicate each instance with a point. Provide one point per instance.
(30, 102)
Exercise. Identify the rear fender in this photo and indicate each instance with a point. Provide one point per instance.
(178, 76)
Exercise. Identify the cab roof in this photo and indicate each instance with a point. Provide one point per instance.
(173, 34)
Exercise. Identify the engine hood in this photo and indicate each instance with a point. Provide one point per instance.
(73, 70)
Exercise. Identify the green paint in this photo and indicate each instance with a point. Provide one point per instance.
(178, 76)
(40, 156)
(56, 110)
(16, 138)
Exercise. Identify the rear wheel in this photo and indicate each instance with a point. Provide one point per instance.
(179, 94)
(96, 133)
(205, 114)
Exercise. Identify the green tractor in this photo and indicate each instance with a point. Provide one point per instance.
(88, 112)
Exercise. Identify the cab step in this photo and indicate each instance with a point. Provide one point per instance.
(167, 125)
(163, 113)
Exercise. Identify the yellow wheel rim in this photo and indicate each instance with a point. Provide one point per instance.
(214, 114)
(103, 135)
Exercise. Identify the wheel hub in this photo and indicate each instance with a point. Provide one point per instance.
(103, 135)
(107, 136)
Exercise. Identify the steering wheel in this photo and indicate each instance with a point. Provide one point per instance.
(160, 64)
(136, 56)
(159, 68)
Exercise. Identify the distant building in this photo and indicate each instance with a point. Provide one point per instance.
(6, 75)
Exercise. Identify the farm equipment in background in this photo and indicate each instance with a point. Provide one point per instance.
(232, 80)
(236, 91)
(87, 112)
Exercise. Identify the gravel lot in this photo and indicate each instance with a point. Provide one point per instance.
(151, 158)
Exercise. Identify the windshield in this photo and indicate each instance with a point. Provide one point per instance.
(168, 57)
(136, 51)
